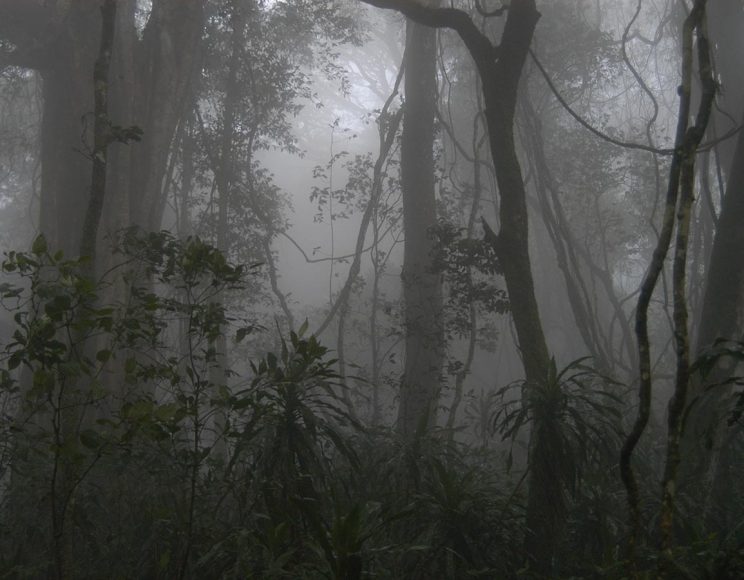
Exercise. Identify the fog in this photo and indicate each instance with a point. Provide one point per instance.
(371, 288)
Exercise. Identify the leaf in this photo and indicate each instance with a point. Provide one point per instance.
(39, 247)
(103, 356)
(271, 360)
(242, 333)
(303, 329)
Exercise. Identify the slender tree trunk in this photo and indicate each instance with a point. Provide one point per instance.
(167, 64)
(374, 340)
(101, 136)
(544, 519)
(678, 402)
(422, 292)
(463, 373)
(225, 176)
(681, 177)
(73, 394)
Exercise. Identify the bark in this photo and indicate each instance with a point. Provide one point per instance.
(116, 214)
(722, 309)
(726, 269)
(544, 523)
(500, 91)
(721, 317)
(422, 293)
(678, 402)
(101, 135)
(725, 21)
(167, 64)
(681, 176)
(65, 142)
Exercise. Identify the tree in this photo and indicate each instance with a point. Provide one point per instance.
(422, 292)
(676, 221)
(59, 40)
(500, 69)
(720, 315)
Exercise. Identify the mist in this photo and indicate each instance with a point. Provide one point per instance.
(371, 289)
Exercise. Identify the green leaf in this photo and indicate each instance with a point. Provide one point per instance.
(242, 333)
(14, 360)
(39, 247)
(303, 329)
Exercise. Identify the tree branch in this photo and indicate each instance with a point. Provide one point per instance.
(458, 20)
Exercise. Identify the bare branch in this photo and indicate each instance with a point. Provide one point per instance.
(458, 20)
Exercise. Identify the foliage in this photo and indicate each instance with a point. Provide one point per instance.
(722, 354)
(95, 383)
(114, 423)
(572, 409)
(469, 267)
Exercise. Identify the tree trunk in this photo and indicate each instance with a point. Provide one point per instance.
(726, 31)
(722, 313)
(422, 292)
(721, 317)
(500, 85)
(67, 128)
(167, 64)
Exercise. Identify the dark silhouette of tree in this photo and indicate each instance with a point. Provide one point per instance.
(150, 86)
(422, 292)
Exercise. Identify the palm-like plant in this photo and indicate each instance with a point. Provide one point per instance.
(294, 426)
(572, 411)
(574, 420)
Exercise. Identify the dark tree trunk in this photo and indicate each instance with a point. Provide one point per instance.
(167, 65)
(721, 317)
(722, 313)
(422, 292)
(101, 137)
(722, 309)
(67, 128)
(500, 85)
(726, 31)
